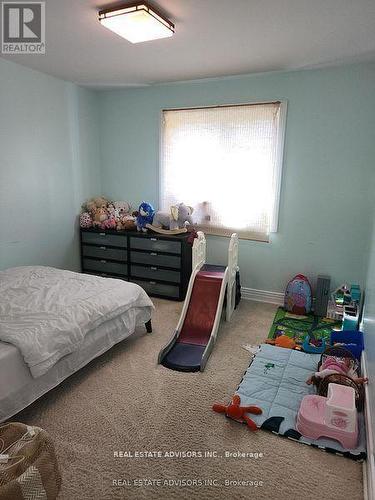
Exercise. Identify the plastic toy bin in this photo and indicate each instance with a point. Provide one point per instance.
(353, 340)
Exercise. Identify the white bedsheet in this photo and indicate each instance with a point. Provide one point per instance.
(47, 312)
(18, 388)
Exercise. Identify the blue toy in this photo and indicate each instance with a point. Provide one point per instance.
(145, 216)
(307, 346)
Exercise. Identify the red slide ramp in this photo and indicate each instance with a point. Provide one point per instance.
(187, 352)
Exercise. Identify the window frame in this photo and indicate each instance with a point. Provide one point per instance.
(275, 214)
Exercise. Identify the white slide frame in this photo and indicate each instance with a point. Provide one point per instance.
(228, 286)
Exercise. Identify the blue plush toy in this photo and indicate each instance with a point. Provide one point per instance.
(145, 216)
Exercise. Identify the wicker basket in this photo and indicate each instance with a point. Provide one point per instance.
(31, 471)
(337, 378)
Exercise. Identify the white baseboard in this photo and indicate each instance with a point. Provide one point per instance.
(369, 464)
(262, 296)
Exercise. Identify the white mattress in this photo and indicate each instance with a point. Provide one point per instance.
(18, 388)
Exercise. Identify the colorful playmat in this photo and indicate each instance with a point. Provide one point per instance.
(297, 327)
(276, 382)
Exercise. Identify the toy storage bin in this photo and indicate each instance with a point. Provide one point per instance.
(353, 340)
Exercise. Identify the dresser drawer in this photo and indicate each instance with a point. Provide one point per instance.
(105, 253)
(155, 273)
(105, 266)
(156, 259)
(104, 239)
(106, 275)
(155, 245)
(153, 288)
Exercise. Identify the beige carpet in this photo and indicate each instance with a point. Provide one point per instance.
(124, 401)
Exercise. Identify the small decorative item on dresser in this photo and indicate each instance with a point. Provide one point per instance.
(173, 222)
(28, 464)
(145, 216)
(105, 214)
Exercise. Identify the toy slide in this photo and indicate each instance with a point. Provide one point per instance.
(195, 335)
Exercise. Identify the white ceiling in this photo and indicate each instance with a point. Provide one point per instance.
(213, 38)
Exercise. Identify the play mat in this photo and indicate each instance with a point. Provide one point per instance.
(297, 327)
(276, 382)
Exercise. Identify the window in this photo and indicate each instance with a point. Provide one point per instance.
(225, 162)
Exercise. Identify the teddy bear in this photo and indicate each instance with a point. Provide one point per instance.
(100, 215)
(125, 223)
(145, 216)
(93, 203)
(121, 208)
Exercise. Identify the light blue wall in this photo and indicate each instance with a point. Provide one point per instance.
(324, 213)
(368, 325)
(49, 163)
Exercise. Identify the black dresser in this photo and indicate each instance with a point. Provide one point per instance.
(158, 263)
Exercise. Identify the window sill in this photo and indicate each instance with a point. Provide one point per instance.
(242, 235)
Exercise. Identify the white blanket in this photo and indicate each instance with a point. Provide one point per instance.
(47, 312)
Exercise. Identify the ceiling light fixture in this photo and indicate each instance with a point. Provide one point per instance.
(137, 22)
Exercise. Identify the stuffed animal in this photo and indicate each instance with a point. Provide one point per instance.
(282, 341)
(237, 412)
(94, 203)
(85, 220)
(109, 223)
(145, 216)
(121, 208)
(100, 215)
(178, 217)
(126, 223)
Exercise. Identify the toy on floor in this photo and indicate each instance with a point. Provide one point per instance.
(237, 412)
(336, 360)
(195, 335)
(311, 345)
(345, 304)
(332, 417)
(298, 295)
(282, 341)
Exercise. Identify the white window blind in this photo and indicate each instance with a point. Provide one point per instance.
(226, 163)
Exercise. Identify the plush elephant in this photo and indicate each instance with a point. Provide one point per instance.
(178, 217)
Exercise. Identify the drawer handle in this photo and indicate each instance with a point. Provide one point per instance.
(154, 254)
(101, 234)
(153, 239)
(154, 268)
(152, 282)
(103, 248)
(103, 261)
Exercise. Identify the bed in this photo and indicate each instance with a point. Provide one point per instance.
(53, 322)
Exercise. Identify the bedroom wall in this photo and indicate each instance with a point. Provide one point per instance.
(49, 164)
(324, 212)
(368, 326)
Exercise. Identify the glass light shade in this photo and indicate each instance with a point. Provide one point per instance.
(137, 25)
